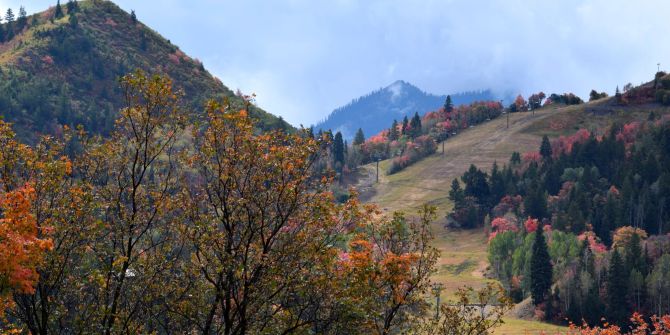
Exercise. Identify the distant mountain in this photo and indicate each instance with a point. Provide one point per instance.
(377, 110)
(63, 68)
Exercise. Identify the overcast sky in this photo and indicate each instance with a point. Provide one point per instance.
(303, 58)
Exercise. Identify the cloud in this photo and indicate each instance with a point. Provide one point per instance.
(303, 58)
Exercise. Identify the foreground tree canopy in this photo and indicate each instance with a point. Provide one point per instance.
(209, 228)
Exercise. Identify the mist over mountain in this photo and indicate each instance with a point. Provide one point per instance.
(377, 110)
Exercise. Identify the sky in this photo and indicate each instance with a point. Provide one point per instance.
(304, 58)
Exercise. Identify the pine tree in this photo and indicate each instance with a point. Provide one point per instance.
(535, 202)
(23, 19)
(456, 194)
(73, 20)
(59, 11)
(2, 32)
(393, 132)
(545, 148)
(133, 16)
(405, 123)
(448, 105)
(415, 125)
(540, 269)
(338, 149)
(359, 138)
(71, 6)
(617, 277)
(9, 16)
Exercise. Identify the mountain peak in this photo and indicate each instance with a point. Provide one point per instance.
(377, 110)
(64, 70)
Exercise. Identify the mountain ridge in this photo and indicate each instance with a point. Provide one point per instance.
(376, 110)
(64, 70)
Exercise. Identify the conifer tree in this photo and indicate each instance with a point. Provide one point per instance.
(405, 123)
(133, 16)
(456, 194)
(23, 19)
(73, 20)
(616, 291)
(9, 16)
(448, 105)
(71, 6)
(415, 125)
(59, 11)
(359, 138)
(545, 148)
(338, 149)
(540, 269)
(393, 132)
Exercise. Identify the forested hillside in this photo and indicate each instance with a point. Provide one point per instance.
(61, 67)
(600, 197)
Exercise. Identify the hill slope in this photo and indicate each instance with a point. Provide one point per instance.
(377, 110)
(64, 70)
(463, 258)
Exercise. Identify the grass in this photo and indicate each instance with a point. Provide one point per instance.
(463, 258)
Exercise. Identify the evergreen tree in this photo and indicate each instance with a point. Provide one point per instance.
(338, 149)
(393, 132)
(405, 123)
(133, 16)
(59, 11)
(476, 184)
(73, 20)
(415, 125)
(448, 105)
(359, 138)
(71, 6)
(23, 19)
(540, 269)
(2, 31)
(617, 277)
(545, 148)
(456, 194)
(497, 187)
(634, 259)
(9, 16)
(535, 202)
(515, 159)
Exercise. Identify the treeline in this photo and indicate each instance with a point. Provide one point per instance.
(165, 227)
(597, 197)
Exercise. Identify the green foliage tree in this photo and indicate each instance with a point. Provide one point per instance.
(540, 269)
(73, 21)
(448, 105)
(9, 16)
(476, 184)
(58, 12)
(545, 148)
(393, 131)
(617, 288)
(71, 6)
(535, 202)
(22, 19)
(359, 138)
(456, 194)
(415, 125)
(405, 124)
(338, 151)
